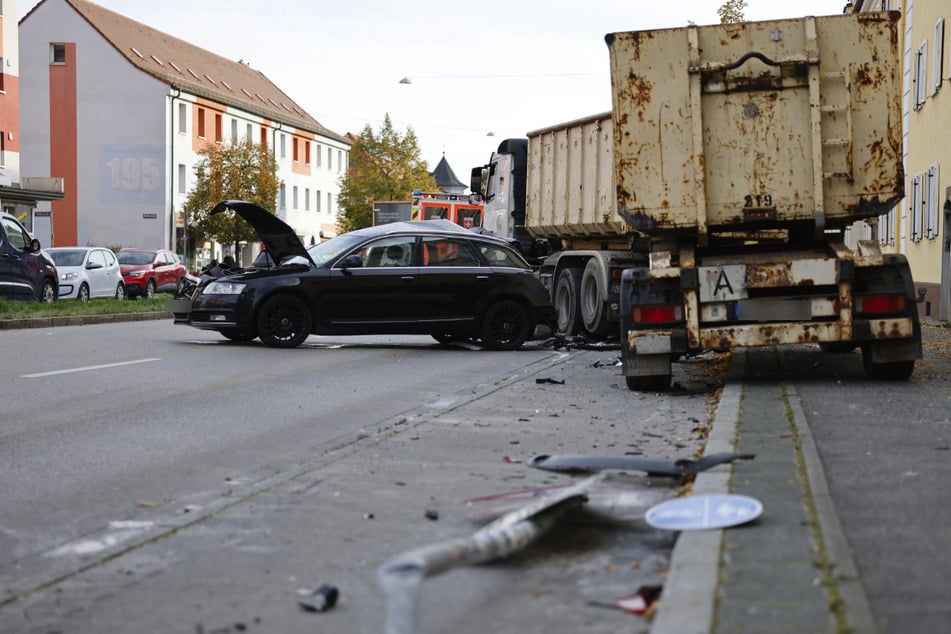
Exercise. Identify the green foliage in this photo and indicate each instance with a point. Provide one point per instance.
(243, 171)
(384, 165)
(14, 309)
(732, 11)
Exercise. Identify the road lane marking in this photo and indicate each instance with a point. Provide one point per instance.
(86, 368)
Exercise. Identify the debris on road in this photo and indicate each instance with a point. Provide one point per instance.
(318, 599)
(664, 467)
(402, 575)
(704, 512)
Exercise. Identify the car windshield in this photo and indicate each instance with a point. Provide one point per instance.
(67, 257)
(333, 248)
(135, 257)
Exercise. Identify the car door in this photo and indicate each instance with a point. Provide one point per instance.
(17, 264)
(453, 286)
(371, 290)
(96, 273)
(111, 273)
(164, 272)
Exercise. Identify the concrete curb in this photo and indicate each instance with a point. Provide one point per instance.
(688, 601)
(80, 320)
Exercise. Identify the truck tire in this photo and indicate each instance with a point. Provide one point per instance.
(592, 301)
(567, 290)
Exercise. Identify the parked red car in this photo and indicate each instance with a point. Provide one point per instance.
(150, 271)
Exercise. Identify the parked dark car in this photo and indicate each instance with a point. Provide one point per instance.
(150, 271)
(26, 271)
(428, 277)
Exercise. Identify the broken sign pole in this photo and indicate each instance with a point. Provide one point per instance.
(402, 575)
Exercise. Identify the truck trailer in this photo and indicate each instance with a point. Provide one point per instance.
(710, 209)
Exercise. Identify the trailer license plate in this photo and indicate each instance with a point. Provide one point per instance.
(722, 283)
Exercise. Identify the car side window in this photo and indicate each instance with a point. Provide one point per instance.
(390, 251)
(110, 258)
(500, 256)
(95, 257)
(16, 236)
(448, 251)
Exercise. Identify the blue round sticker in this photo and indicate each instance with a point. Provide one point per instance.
(702, 512)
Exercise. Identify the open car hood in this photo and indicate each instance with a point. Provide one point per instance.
(278, 237)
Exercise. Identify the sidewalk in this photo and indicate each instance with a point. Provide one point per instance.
(792, 570)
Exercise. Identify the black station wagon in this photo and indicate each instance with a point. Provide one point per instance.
(428, 277)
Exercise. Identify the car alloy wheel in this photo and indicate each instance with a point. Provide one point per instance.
(120, 291)
(47, 292)
(505, 325)
(284, 321)
(150, 289)
(83, 294)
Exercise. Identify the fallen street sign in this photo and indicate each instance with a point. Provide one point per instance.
(704, 512)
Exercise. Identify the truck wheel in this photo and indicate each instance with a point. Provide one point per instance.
(567, 289)
(592, 301)
(655, 383)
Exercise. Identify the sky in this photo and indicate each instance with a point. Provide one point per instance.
(479, 72)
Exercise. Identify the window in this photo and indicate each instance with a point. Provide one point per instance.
(938, 59)
(329, 158)
(3, 148)
(442, 251)
(182, 118)
(295, 142)
(201, 123)
(249, 132)
(339, 160)
(181, 178)
(886, 228)
(234, 132)
(307, 199)
(329, 207)
(282, 198)
(317, 202)
(283, 146)
(307, 152)
(294, 196)
(914, 216)
(57, 53)
(317, 153)
(921, 64)
(218, 131)
(263, 137)
(932, 202)
(2, 76)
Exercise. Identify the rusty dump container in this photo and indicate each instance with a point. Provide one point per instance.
(757, 124)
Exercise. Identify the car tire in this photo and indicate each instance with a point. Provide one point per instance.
(47, 292)
(284, 321)
(120, 291)
(150, 289)
(83, 293)
(506, 325)
(567, 289)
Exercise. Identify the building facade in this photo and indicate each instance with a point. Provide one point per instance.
(18, 195)
(120, 110)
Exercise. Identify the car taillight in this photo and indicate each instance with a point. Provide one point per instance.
(880, 304)
(657, 314)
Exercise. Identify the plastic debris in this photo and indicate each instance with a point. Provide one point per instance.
(318, 599)
(670, 468)
(641, 601)
(550, 380)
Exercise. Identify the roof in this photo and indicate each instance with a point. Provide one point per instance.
(192, 69)
(444, 175)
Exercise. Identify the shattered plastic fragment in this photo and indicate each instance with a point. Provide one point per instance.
(641, 601)
(318, 600)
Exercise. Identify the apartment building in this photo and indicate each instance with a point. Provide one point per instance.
(119, 110)
(18, 195)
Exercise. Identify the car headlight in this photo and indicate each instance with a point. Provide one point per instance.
(135, 274)
(65, 277)
(223, 288)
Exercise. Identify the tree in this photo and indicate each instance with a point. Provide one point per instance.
(732, 11)
(383, 166)
(243, 171)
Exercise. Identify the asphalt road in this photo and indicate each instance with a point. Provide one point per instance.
(159, 478)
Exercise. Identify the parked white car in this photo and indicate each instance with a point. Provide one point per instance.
(86, 272)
